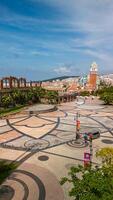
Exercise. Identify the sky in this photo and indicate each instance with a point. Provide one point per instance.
(41, 39)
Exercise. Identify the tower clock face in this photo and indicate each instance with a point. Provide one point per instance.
(94, 67)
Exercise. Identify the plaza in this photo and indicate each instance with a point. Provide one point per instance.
(44, 146)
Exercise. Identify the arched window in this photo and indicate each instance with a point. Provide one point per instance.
(22, 82)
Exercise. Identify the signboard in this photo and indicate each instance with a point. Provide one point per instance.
(87, 159)
(86, 156)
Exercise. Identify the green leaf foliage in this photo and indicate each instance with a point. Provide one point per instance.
(84, 93)
(106, 94)
(6, 100)
(106, 154)
(30, 96)
(90, 183)
(6, 169)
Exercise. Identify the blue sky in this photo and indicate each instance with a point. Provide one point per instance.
(41, 39)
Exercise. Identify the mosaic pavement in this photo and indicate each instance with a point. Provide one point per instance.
(44, 145)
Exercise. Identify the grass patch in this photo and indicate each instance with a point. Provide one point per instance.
(6, 169)
(6, 111)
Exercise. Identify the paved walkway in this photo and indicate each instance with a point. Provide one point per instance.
(44, 145)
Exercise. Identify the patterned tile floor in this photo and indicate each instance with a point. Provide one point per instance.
(44, 145)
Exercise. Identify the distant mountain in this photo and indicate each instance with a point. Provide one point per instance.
(59, 78)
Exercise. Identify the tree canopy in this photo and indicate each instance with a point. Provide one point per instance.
(92, 183)
(32, 95)
(106, 154)
(106, 94)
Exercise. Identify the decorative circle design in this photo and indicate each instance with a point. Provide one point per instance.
(27, 183)
(107, 141)
(6, 192)
(35, 144)
(43, 158)
(80, 101)
(65, 135)
(23, 183)
(80, 143)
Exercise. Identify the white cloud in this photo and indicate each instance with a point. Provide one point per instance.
(103, 56)
(39, 53)
(93, 19)
(63, 70)
(89, 21)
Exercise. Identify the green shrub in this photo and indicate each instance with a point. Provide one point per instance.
(6, 169)
(19, 97)
(107, 97)
(90, 183)
(84, 93)
(106, 94)
(6, 101)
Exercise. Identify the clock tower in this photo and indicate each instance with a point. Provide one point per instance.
(93, 76)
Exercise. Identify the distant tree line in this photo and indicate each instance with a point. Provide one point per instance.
(84, 93)
(33, 95)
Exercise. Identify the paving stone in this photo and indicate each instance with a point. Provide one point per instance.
(5, 128)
